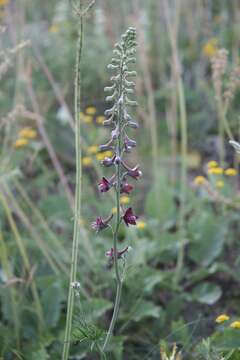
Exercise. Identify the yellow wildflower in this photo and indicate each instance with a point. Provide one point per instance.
(4, 2)
(28, 133)
(100, 119)
(215, 171)
(230, 172)
(108, 153)
(199, 180)
(92, 149)
(219, 184)
(87, 119)
(86, 161)
(221, 318)
(124, 200)
(100, 156)
(21, 142)
(141, 225)
(210, 48)
(212, 164)
(114, 210)
(54, 28)
(235, 325)
(91, 110)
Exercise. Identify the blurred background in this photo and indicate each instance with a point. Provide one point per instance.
(184, 267)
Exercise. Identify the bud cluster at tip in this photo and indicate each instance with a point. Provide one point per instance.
(118, 118)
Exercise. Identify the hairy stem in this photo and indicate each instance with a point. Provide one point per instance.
(76, 234)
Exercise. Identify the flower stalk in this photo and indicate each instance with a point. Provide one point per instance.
(120, 143)
(76, 233)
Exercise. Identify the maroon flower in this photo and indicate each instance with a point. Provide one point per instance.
(135, 172)
(110, 253)
(108, 161)
(104, 185)
(100, 224)
(126, 188)
(129, 217)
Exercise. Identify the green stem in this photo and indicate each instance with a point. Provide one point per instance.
(183, 123)
(76, 234)
(118, 221)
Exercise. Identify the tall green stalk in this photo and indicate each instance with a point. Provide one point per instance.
(77, 227)
(183, 125)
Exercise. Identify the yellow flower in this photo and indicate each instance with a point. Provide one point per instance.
(230, 172)
(141, 225)
(210, 48)
(91, 110)
(100, 119)
(212, 164)
(87, 161)
(21, 142)
(54, 28)
(215, 171)
(100, 156)
(28, 133)
(235, 325)
(108, 153)
(219, 184)
(4, 2)
(92, 149)
(114, 210)
(221, 318)
(199, 180)
(87, 119)
(124, 200)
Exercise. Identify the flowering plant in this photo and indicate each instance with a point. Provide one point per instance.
(119, 119)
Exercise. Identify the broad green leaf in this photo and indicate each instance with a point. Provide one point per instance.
(207, 293)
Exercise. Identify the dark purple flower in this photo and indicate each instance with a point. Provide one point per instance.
(129, 142)
(115, 133)
(104, 185)
(126, 188)
(100, 224)
(129, 217)
(107, 146)
(110, 253)
(108, 161)
(133, 172)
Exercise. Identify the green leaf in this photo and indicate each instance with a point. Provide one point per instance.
(145, 309)
(208, 233)
(207, 293)
(51, 300)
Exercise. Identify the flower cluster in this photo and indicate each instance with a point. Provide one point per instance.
(224, 317)
(213, 168)
(24, 136)
(119, 120)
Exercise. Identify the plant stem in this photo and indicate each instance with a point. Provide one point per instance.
(115, 235)
(76, 234)
(183, 123)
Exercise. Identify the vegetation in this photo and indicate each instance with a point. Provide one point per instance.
(162, 284)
